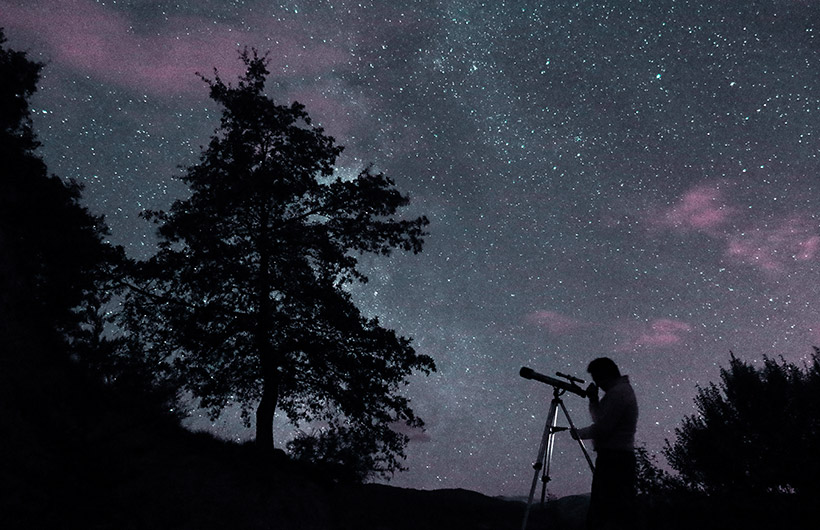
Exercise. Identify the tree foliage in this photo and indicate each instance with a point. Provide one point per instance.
(247, 299)
(348, 453)
(756, 432)
(53, 255)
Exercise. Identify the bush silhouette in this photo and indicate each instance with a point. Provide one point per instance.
(756, 432)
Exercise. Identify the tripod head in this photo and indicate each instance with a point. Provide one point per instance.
(569, 385)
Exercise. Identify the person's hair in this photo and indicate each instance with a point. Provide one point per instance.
(604, 366)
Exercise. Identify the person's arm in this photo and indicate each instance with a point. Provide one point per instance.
(594, 410)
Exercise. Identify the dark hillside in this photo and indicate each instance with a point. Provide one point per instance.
(383, 507)
(79, 455)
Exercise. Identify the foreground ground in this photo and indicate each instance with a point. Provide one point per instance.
(75, 454)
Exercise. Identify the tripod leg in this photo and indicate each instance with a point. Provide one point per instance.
(546, 440)
(545, 477)
(580, 442)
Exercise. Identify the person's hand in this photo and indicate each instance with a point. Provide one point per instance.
(592, 392)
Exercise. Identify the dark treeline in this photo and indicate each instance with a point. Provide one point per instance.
(748, 457)
(246, 303)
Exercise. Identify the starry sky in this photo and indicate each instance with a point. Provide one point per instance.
(635, 179)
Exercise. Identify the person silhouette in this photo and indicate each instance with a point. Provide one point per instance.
(614, 422)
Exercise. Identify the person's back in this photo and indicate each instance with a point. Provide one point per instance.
(615, 417)
(615, 420)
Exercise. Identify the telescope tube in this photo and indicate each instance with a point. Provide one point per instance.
(529, 373)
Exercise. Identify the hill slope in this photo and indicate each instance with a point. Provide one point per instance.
(80, 455)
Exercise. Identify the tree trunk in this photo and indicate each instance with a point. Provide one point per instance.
(270, 384)
(264, 415)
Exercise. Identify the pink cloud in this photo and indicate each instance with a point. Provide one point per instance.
(102, 43)
(774, 248)
(554, 322)
(664, 332)
(660, 333)
(702, 208)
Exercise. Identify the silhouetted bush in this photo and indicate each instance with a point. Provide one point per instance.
(757, 432)
(342, 454)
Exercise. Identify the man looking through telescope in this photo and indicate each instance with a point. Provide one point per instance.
(615, 418)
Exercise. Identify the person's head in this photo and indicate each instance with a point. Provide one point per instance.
(604, 372)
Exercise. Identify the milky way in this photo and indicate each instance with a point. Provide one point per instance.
(636, 179)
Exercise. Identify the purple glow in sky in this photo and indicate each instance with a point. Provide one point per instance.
(619, 177)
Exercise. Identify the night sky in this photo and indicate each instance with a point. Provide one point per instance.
(635, 179)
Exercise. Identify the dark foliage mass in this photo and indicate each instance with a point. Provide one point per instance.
(747, 458)
(757, 432)
(52, 256)
(247, 300)
(58, 275)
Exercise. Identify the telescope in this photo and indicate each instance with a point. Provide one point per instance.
(542, 464)
(569, 386)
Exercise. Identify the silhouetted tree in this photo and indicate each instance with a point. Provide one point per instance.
(757, 432)
(651, 479)
(53, 254)
(248, 295)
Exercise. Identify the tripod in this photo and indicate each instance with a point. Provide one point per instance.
(542, 462)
